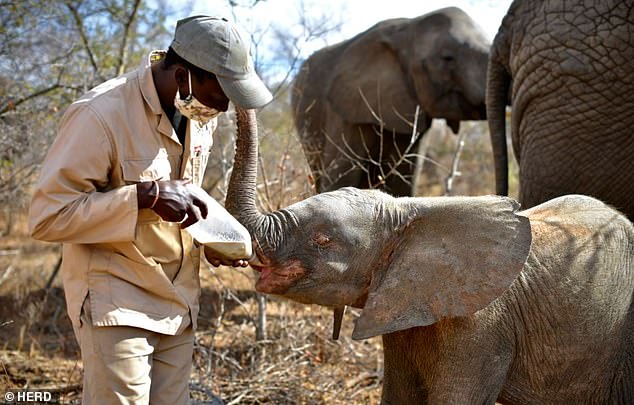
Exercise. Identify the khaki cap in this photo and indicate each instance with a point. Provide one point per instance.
(218, 46)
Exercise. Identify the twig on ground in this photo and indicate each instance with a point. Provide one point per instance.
(5, 274)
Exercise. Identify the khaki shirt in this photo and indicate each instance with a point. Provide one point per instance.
(137, 269)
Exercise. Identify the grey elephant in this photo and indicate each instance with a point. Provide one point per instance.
(475, 300)
(355, 103)
(567, 69)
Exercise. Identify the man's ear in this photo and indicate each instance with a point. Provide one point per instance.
(182, 82)
(455, 257)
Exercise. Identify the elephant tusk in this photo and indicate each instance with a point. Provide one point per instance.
(337, 318)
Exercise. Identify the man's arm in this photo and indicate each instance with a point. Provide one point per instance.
(66, 205)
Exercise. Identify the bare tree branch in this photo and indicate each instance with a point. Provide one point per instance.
(12, 104)
(369, 107)
(84, 38)
(123, 49)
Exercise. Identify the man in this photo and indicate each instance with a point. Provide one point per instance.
(113, 190)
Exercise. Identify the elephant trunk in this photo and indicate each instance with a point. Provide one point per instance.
(498, 85)
(472, 76)
(241, 193)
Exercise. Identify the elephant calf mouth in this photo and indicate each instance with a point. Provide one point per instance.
(277, 280)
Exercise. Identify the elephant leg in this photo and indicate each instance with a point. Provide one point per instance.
(541, 180)
(313, 155)
(603, 170)
(401, 381)
(458, 363)
(398, 164)
(347, 159)
(362, 157)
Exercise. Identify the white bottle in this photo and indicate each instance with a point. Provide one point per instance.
(220, 231)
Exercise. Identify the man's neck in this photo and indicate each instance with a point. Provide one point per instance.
(165, 88)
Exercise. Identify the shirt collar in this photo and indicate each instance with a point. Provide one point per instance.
(148, 89)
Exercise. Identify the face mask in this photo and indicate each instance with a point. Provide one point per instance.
(193, 109)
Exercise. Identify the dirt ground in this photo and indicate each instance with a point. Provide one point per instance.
(297, 362)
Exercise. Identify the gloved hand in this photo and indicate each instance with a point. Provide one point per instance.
(175, 202)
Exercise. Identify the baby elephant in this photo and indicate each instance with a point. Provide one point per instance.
(475, 301)
(470, 310)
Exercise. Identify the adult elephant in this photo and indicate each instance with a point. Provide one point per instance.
(355, 103)
(567, 69)
(475, 301)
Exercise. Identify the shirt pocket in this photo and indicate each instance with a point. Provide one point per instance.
(119, 286)
(140, 170)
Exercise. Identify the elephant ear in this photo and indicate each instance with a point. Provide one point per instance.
(455, 257)
(370, 84)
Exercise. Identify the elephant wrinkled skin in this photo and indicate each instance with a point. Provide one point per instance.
(346, 94)
(475, 300)
(568, 68)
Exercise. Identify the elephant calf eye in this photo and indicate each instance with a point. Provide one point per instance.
(321, 239)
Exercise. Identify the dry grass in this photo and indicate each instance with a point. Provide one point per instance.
(297, 363)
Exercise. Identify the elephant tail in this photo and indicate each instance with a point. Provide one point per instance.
(497, 98)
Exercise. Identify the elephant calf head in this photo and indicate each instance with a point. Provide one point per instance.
(407, 261)
(443, 256)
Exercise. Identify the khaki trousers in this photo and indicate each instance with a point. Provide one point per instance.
(126, 365)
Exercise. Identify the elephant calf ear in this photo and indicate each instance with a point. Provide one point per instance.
(454, 258)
